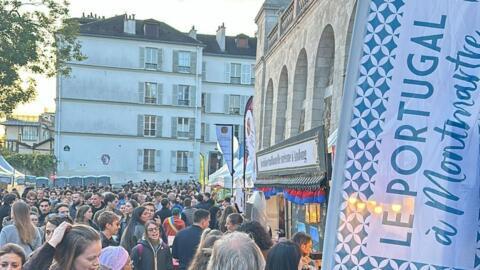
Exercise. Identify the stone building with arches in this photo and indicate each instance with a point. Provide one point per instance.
(302, 55)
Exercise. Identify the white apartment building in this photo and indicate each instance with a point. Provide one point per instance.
(143, 105)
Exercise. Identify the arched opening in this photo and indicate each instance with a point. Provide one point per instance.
(281, 104)
(349, 40)
(323, 82)
(299, 94)
(267, 120)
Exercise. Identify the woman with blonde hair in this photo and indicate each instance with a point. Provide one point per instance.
(22, 232)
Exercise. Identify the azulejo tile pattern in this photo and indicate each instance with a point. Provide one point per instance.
(372, 91)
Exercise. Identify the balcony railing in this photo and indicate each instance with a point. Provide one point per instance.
(286, 19)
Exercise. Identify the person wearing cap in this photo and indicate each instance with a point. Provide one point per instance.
(115, 258)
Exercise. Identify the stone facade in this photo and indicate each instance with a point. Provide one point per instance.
(302, 54)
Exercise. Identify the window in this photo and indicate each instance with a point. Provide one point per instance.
(234, 104)
(204, 101)
(183, 62)
(149, 160)
(29, 133)
(236, 73)
(150, 93)
(151, 58)
(182, 161)
(183, 95)
(236, 131)
(183, 128)
(150, 125)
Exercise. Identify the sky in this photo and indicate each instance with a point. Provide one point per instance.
(206, 15)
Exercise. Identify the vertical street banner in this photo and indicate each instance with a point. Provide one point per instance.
(406, 187)
(202, 172)
(225, 140)
(249, 158)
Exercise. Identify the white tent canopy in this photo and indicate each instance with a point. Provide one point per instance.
(223, 178)
(7, 169)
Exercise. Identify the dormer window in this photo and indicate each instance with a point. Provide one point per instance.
(242, 42)
(150, 29)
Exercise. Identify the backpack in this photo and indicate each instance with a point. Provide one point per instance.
(140, 251)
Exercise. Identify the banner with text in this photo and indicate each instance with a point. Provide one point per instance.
(225, 140)
(295, 156)
(411, 162)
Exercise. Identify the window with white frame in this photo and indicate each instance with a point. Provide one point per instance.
(151, 58)
(235, 73)
(182, 161)
(149, 160)
(183, 62)
(150, 122)
(150, 93)
(29, 133)
(234, 104)
(183, 95)
(183, 127)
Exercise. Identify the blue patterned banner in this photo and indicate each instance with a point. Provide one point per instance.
(406, 192)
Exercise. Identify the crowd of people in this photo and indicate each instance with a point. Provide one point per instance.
(159, 226)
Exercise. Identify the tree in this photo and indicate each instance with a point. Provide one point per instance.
(36, 37)
(33, 164)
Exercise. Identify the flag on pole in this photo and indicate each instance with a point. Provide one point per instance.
(250, 153)
(225, 140)
(405, 191)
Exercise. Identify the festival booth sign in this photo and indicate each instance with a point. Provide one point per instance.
(293, 177)
(405, 191)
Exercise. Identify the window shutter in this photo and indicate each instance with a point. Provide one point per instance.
(227, 72)
(175, 95)
(241, 134)
(204, 70)
(159, 126)
(246, 74)
(243, 103)
(173, 161)
(208, 103)
(226, 104)
(193, 62)
(191, 132)
(142, 57)
(207, 132)
(175, 61)
(159, 93)
(158, 159)
(159, 59)
(141, 92)
(140, 126)
(174, 127)
(193, 96)
(140, 159)
(190, 162)
(252, 67)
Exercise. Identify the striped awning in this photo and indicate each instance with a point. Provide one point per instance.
(301, 182)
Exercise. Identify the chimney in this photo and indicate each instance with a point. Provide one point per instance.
(193, 32)
(129, 25)
(221, 37)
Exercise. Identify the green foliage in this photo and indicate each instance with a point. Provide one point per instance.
(36, 37)
(32, 164)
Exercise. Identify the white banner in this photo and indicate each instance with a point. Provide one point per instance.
(427, 178)
(250, 153)
(225, 140)
(295, 156)
(406, 187)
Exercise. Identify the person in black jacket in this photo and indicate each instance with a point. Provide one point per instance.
(187, 240)
(6, 207)
(165, 212)
(152, 252)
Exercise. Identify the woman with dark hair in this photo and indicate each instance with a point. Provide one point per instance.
(223, 219)
(22, 232)
(84, 216)
(284, 256)
(12, 257)
(135, 228)
(76, 247)
(259, 235)
(129, 206)
(152, 252)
